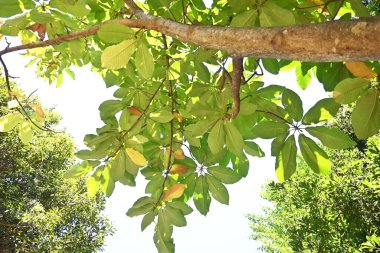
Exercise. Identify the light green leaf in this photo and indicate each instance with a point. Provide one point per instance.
(93, 182)
(234, 140)
(118, 165)
(162, 116)
(274, 15)
(144, 61)
(201, 127)
(314, 156)
(292, 104)
(286, 160)
(240, 164)
(12, 7)
(217, 190)
(269, 129)
(10, 121)
(202, 199)
(107, 184)
(142, 206)
(366, 115)
(253, 149)
(303, 80)
(78, 9)
(359, 8)
(78, 170)
(175, 216)
(147, 220)
(185, 209)
(323, 110)
(115, 33)
(348, 90)
(225, 175)
(216, 138)
(25, 133)
(109, 108)
(174, 71)
(244, 19)
(331, 137)
(117, 56)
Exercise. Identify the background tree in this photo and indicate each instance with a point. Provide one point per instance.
(190, 100)
(311, 213)
(39, 210)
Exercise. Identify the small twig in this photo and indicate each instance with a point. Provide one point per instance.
(278, 116)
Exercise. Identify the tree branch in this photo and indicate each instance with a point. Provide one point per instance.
(356, 40)
(237, 65)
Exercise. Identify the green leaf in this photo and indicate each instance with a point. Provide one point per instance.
(147, 220)
(25, 133)
(142, 206)
(225, 175)
(115, 33)
(162, 116)
(348, 90)
(175, 216)
(366, 115)
(244, 19)
(217, 137)
(10, 121)
(292, 104)
(12, 7)
(271, 65)
(234, 140)
(240, 165)
(269, 129)
(331, 137)
(359, 8)
(253, 149)
(199, 4)
(286, 160)
(277, 144)
(109, 108)
(273, 15)
(174, 70)
(78, 9)
(93, 182)
(314, 156)
(217, 190)
(201, 127)
(78, 170)
(107, 184)
(323, 110)
(185, 209)
(303, 79)
(201, 196)
(117, 56)
(144, 61)
(118, 165)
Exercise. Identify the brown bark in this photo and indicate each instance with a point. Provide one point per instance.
(357, 40)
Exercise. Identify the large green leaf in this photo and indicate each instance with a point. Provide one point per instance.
(253, 149)
(10, 121)
(217, 137)
(25, 133)
(245, 18)
(142, 206)
(286, 160)
(201, 196)
(234, 140)
(117, 56)
(12, 7)
(240, 164)
(348, 90)
(331, 137)
(269, 129)
(323, 110)
(217, 190)
(161, 116)
(366, 115)
(273, 15)
(147, 220)
(225, 175)
(292, 104)
(314, 156)
(107, 183)
(144, 61)
(115, 33)
(78, 8)
(118, 165)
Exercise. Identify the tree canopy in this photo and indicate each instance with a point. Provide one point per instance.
(39, 210)
(190, 98)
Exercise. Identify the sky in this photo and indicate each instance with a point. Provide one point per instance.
(224, 230)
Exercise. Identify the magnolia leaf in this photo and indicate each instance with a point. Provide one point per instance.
(118, 165)
(348, 90)
(286, 160)
(174, 192)
(292, 104)
(225, 175)
(269, 129)
(185, 209)
(78, 170)
(366, 115)
(144, 61)
(175, 216)
(360, 69)
(217, 190)
(314, 156)
(136, 157)
(115, 33)
(202, 199)
(273, 15)
(147, 220)
(142, 206)
(216, 138)
(323, 110)
(12, 7)
(162, 116)
(245, 18)
(331, 137)
(117, 56)
(253, 149)
(240, 164)
(107, 184)
(234, 140)
(178, 169)
(179, 154)
(277, 144)
(174, 71)
(10, 121)
(93, 186)
(25, 133)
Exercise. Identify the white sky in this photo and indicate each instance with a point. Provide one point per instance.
(224, 230)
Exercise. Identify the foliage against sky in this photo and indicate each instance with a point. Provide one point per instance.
(190, 100)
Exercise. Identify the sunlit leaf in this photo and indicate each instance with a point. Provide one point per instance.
(136, 157)
(217, 190)
(175, 191)
(331, 137)
(286, 160)
(348, 90)
(314, 156)
(117, 56)
(323, 110)
(9, 121)
(360, 69)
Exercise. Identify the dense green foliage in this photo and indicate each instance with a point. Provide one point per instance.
(39, 210)
(310, 213)
(173, 116)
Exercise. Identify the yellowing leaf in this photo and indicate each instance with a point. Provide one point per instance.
(360, 69)
(134, 110)
(175, 191)
(136, 157)
(178, 154)
(117, 56)
(178, 169)
(40, 113)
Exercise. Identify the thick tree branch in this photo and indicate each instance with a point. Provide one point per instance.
(356, 40)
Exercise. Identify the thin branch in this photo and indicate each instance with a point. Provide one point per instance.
(277, 116)
(237, 64)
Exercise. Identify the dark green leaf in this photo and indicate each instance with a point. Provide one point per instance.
(292, 104)
(217, 190)
(286, 160)
(225, 175)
